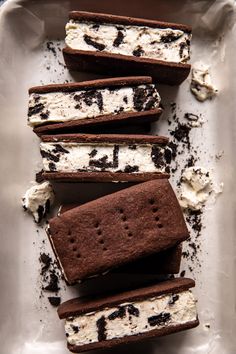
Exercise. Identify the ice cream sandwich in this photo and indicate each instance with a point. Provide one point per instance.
(69, 107)
(104, 157)
(104, 43)
(117, 229)
(149, 312)
(165, 262)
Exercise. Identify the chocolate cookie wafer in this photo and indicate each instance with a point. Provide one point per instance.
(165, 262)
(117, 229)
(132, 316)
(67, 107)
(104, 157)
(104, 43)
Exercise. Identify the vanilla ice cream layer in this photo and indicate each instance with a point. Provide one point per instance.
(61, 106)
(131, 318)
(167, 44)
(98, 157)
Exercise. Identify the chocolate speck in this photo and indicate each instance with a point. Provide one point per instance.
(90, 41)
(54, 300)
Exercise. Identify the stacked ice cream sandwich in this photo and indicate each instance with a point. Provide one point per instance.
(140, 228)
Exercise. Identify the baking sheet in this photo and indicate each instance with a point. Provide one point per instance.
(29, 324)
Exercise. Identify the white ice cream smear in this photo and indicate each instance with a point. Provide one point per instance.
(132, 318)
(56, 107)
(38, 199)
(201, 85)
(74, 157)
(165, 44)
(196, 187)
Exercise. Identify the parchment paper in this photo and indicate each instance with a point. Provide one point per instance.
(29, 325)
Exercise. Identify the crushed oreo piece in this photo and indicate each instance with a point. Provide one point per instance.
(157, 157)
(103, 162)
(160, 319)
(49, 156)
(101, 326)
(60, 149)
(35, 109)
(132, 310)
(119, 39)
(75, 328)
(53, 282)
(182, 274)
(173, 299)
(138, 51)
(41, 213)
(167, 155)
(52, 166)
(54, 300)
(125, 99)
(93, 153)
(51, 48)
(46, 260)
(181, 133)
(90, 41)
(131, 169)
(39, 177)
(120, 313)
(170, 37)
(44, 115)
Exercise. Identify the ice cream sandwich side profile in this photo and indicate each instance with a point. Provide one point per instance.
(67, 107)
(104, 157)
(132, 316)
(124, 45)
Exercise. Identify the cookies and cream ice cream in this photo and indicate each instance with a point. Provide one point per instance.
(69, 156)
(166, 44)
(38, 199)
(131, 318)
(53, 107)
(196, 188)
(201, 85)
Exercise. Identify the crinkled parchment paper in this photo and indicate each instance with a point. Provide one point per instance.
(29, 325)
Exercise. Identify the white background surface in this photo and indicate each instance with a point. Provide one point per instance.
(29, 325)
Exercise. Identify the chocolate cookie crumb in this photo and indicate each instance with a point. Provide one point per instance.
(54, 300)
(90, 41)
(101, 326)
(119, 39)
(160, 319)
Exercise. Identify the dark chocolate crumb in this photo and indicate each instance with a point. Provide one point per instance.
(46, 260)
(52, 166)
(138, 51)
(35, 109)
(54, 300)
(167, 155)
(125, 99)
(173, 299)
(39, 177)
(41, 213)
(119, 39)
(120, 313)
(157, 157)
(59, 148)
(131, 169)
(181, 134)
(101, 326)
(132, 310)
(160, 319)
(51, 48)
(49, 156)
(93, 153)
(182, 274)
(75, 328)
(90, 41)
(171, 37)
(96, 26)
(53, 283)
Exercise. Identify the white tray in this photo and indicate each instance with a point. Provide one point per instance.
(29, 325)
